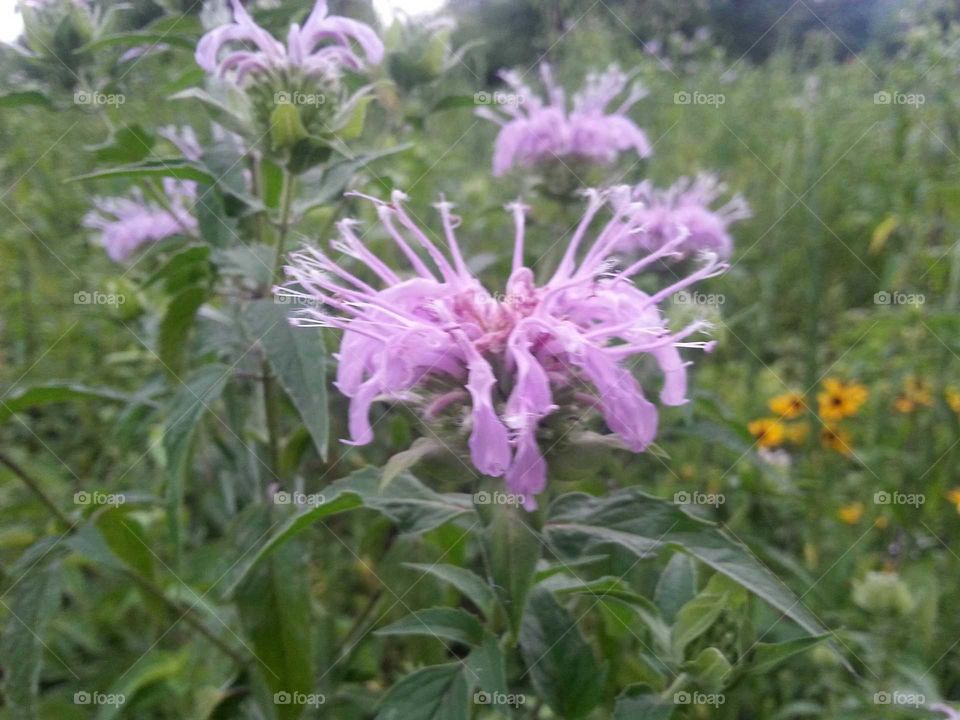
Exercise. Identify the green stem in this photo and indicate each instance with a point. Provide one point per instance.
(36, 489)
(283, 226)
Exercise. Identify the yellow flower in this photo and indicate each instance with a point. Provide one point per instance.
(904, 405)
(769, 432)
(836, 438)
(953, 398)
(839, 400)
(788, 406)
(851, 514)
(954, 497)
(797, 432)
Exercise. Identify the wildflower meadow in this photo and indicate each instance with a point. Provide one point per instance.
(530, 359)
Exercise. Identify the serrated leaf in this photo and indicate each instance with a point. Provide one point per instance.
(512, 549)
(274, 605)
(640, 702)
(676, 585)
(401, 462)
(471, 585)
(442, 623)
(128, 144)
(558, 660)
(177, 168)
(437, 692)
(581, 524)
(176, 324)
(298, 358)
(55, 392)
(190, 403)
(766, 656)
(30, 605)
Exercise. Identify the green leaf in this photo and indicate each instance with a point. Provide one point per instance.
(54, 392)
(471, 585)
(30, 603)
(558, 660)
(274, 605)
(190, 266)
(338, 175)
(140, 38)
(187, 407)
(580, 524)
(485, 668)
(442, 623)
(639, 702)
(178, 168)
(710, 668)
(695, 618)
(615, 589)
(767, 656)
(151, 671)
(23, 98)
(512, 549)
(454, 102)
(401, 462)
(676, 586)
(349, 121)
(176, 324)
(437, 692)
(415, 508)
(129, 144)
(286, 127)
(297, 356)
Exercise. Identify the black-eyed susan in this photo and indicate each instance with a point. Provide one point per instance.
(851, 513)
(839, 399)
(954, 497)
(952, 396)
(769, 432)
(796, 433)
(836, 438)
(788, 406)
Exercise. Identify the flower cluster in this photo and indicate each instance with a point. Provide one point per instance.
(127, 223)
(322, 48)
(534, 132)
(684, 208)
(436, 338)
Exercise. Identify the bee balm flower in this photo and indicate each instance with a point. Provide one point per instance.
(685, 208)
(321, 48)
(434, 337)
(127, 223)
(534, 132)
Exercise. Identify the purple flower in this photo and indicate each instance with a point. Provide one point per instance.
(946, 710)
(534, 132)
(321, 48)
(435, 338)
(684, 209)
(125, 224)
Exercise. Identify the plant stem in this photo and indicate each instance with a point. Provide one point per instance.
(35, 488)
(188, 616)
(283, 226)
